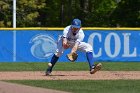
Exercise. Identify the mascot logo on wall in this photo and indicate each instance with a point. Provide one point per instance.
(43, 46)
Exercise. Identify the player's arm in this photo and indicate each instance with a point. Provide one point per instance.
(80, 39)
(64, 39)
(64, 43)
(75, 47)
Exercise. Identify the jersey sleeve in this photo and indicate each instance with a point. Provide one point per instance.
(65, 31)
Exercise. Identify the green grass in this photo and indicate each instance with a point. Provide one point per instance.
(68, 66)
(79, 86)
(87, 86)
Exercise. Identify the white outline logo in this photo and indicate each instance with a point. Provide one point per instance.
(43, 46)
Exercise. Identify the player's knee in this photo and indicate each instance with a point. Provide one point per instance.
(89, 48)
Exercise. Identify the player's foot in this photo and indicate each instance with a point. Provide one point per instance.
(95, 68)
(48, 73)
(49, 70)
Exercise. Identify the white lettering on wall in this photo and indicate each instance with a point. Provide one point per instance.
(117, 46)
(91, 42)
(121, 45)
(126, 46)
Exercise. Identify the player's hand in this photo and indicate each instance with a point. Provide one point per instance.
(66, 46)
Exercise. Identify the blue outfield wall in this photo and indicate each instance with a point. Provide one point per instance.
(39, 45)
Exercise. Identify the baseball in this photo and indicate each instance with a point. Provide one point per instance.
(49, 64)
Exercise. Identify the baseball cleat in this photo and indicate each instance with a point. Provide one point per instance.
(96, 68)
(48, 73)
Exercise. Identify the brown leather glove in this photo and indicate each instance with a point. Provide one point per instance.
(72, 56)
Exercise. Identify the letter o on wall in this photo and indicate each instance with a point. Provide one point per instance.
(117, 46)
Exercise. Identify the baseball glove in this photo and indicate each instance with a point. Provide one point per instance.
(72, 56)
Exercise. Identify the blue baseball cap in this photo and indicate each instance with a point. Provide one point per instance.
(76, 23)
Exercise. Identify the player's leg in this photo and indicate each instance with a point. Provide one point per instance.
(85, 47)
(88, 49)
(59, 52)
(51, 64)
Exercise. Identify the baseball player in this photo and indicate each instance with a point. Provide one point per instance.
(72, 38)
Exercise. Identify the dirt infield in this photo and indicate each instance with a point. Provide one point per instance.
(70, 75)
(58, 75)
(17, 88)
